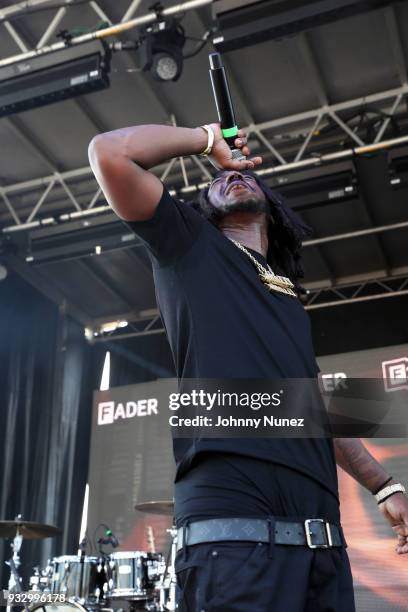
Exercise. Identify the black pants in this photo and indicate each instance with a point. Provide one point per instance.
(234, 577)
(246, 577)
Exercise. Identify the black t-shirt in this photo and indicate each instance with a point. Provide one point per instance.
(222, 322)
(224, 485)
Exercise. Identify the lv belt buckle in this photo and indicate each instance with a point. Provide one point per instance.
(326, 531)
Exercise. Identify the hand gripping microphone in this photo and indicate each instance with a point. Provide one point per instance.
(223, 103)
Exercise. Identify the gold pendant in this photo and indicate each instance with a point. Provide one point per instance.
(280, 284)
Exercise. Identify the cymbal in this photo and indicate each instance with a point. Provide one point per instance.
(157, 507)
(27, 529)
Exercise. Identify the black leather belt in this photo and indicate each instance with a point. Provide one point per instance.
(314, 533)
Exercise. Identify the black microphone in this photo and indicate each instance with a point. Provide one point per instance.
(223, 103)
(110, 539)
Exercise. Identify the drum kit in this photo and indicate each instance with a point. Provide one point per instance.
(127, 581)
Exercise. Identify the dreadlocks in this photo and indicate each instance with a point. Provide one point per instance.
(285, 232)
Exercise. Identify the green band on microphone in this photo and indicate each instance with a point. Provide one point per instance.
(229, 132)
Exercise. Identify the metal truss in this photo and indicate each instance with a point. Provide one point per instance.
(364, 291)
(10, 11)
(126, 23)
(189, 185)
(302, 127)
(294, 154)
(149, 323)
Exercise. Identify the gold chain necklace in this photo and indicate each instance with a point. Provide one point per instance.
(272, 281)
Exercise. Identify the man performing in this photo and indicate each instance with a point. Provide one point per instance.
(227, 315)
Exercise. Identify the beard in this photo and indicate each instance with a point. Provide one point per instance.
(252, 205)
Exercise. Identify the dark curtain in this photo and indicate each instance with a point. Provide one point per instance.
(47, 375)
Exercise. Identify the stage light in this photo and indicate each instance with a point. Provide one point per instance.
(54, 76)
(111, 326)
(163, 49)
(3, 272)
(165, 67)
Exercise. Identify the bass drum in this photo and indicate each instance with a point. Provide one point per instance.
(67, 606)
(74, 606)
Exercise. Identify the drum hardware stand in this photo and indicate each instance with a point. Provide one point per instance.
(14, 583)
(169, 603)
(81, 568)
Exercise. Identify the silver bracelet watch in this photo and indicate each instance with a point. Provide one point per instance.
(390, 490)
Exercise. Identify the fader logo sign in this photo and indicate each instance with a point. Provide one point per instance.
(106, 412)
(109, 412)
(395, 374)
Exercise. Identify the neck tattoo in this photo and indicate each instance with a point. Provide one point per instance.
(272, 281)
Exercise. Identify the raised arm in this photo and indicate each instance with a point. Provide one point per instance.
(353, 457)
(121, 161)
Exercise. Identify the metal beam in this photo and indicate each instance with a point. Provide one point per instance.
(308, 138)
(313, 162)
(16, 37)
(369, 231)
(131, 10)
(386, 121)
(39, 149)
(346, 128)
(20, 7)
(40, 202)
(365, 101)
(10, 207)
(109, 31)
(52, 26)
(338, 291)
(138, 334)
(341, 302)
(29, 139)
(38, 183)
(100, 12)
(85, 108)
(365, 298)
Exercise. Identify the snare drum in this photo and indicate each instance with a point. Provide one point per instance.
(82, 579)
(134, 575)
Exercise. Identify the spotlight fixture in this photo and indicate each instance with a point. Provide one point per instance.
(163, 48)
